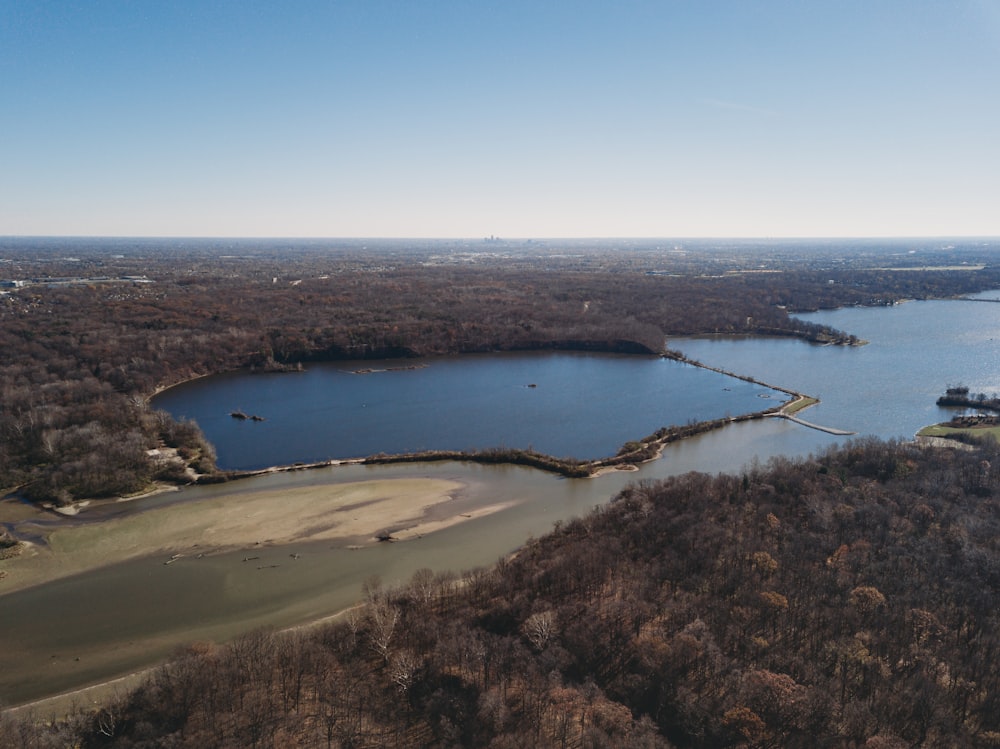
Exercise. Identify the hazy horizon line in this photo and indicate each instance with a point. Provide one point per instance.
(526, 238)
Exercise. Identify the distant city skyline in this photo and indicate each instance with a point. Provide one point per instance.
(460, 119)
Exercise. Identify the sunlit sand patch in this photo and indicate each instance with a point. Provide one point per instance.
(315, 513)
(426, 527)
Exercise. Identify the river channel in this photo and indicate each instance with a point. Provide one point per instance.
(93, 626)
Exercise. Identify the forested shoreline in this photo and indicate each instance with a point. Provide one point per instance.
(848, 599)
(845, 600)
(82, 357)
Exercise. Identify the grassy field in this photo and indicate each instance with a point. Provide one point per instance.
(795, 406)
(943, 430)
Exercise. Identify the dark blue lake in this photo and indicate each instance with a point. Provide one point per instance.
(563, 404)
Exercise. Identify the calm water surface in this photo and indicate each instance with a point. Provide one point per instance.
(141, 610)
(580, 405)
(887, 388)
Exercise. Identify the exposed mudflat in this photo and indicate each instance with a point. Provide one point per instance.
(357, 513)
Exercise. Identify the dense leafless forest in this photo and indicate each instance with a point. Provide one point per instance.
(90, 328)
(845, 600)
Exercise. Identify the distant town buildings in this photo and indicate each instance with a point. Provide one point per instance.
(70, 281)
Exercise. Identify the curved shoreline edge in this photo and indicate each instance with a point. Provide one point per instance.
(647, 449)
(642, 450)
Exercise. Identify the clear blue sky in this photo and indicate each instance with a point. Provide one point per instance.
(463, 118)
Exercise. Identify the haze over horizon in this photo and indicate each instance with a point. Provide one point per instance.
(458, 119)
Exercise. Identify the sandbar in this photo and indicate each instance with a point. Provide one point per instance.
(356, 513)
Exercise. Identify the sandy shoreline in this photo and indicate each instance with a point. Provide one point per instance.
(349, 515)
(353, 513)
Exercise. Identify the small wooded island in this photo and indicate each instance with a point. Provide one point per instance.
(965, 426)
(959, 396)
